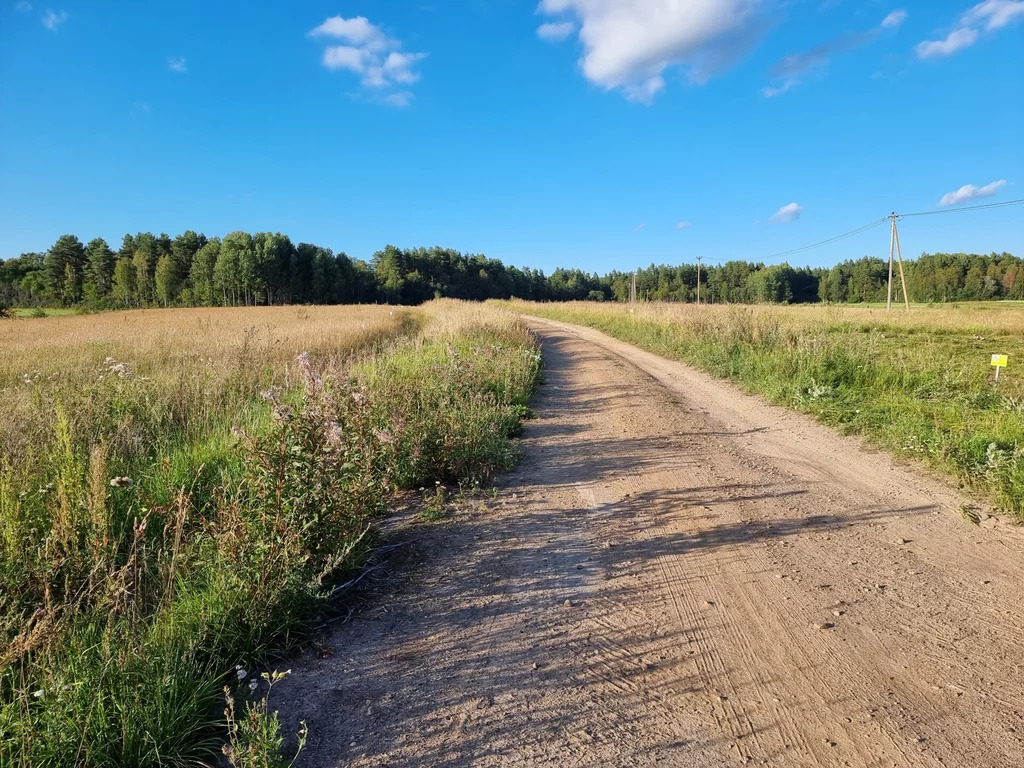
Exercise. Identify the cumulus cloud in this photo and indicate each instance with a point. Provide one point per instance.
(992, 15)
(364, 49)
(970, 192)
(953, 42)
(357, 31)
(555, 31)
(684, 225)
(894, 19)
(177, 64)
(788, 213)
(628, 44)
(53, 20)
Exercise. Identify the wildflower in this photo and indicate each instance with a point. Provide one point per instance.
(121, 369)
(272, 395)
(38, 694)
(254, 684)
(333, 434)
(242, 674)
(121, 482)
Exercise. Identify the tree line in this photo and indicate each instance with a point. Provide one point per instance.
(268, 268)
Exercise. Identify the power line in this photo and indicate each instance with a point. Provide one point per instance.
(837, 238)
(878, 222)
(962, 210)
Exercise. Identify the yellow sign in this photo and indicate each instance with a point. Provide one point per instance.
(999, 361)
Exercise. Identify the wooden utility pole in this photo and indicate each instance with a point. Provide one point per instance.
(698, 280)
(892, 248)
(632, 289)
(895, 250)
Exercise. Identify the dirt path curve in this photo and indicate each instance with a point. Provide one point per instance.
(744, 587)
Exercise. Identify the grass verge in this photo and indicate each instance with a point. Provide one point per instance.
(918, 385)
(162, 535)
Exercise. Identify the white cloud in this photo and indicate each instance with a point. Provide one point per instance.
(954, 41)
(770, 91)
(970, 192)
(996, 14)
(788, 213)
(344, 57)
(399, 99)
(555, 31)
(894, 19)
(991, 14)
(628, 44)
(368, 52)
(640, 227)
(357, 31)
(790, 71)
(53, 20)
(177, 64)
(684, 225)
(23, 6)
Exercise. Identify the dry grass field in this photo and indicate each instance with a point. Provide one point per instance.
(154, 339)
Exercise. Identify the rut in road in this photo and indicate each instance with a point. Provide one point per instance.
(679, 574)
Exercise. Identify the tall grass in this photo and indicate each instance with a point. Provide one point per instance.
(917, 384)
(165, 519)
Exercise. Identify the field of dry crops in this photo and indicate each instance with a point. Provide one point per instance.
(154, 339)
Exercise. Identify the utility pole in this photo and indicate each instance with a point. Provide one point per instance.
(632, 289)
(895, 250)
(698, 281)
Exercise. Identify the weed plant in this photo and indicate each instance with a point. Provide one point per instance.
(169, 514)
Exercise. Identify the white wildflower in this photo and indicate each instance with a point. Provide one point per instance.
(242, 674)
(38, 694)
(254, 684)
(121, 482)
(333, 435)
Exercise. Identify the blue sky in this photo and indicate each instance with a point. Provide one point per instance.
(589, 133)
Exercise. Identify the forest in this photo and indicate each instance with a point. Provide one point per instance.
(267, 268)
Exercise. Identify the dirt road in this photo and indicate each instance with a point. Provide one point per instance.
(678, 574)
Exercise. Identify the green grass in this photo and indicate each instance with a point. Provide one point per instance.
(45, 312)
(127, 604)
(918, 386)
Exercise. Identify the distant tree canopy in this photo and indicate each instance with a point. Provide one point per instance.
(267, 268)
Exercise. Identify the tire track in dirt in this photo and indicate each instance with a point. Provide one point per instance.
(698, 536)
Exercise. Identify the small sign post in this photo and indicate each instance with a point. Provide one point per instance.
(999, 361)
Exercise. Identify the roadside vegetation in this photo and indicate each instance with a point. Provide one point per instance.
(917, 384)
(180, 492)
